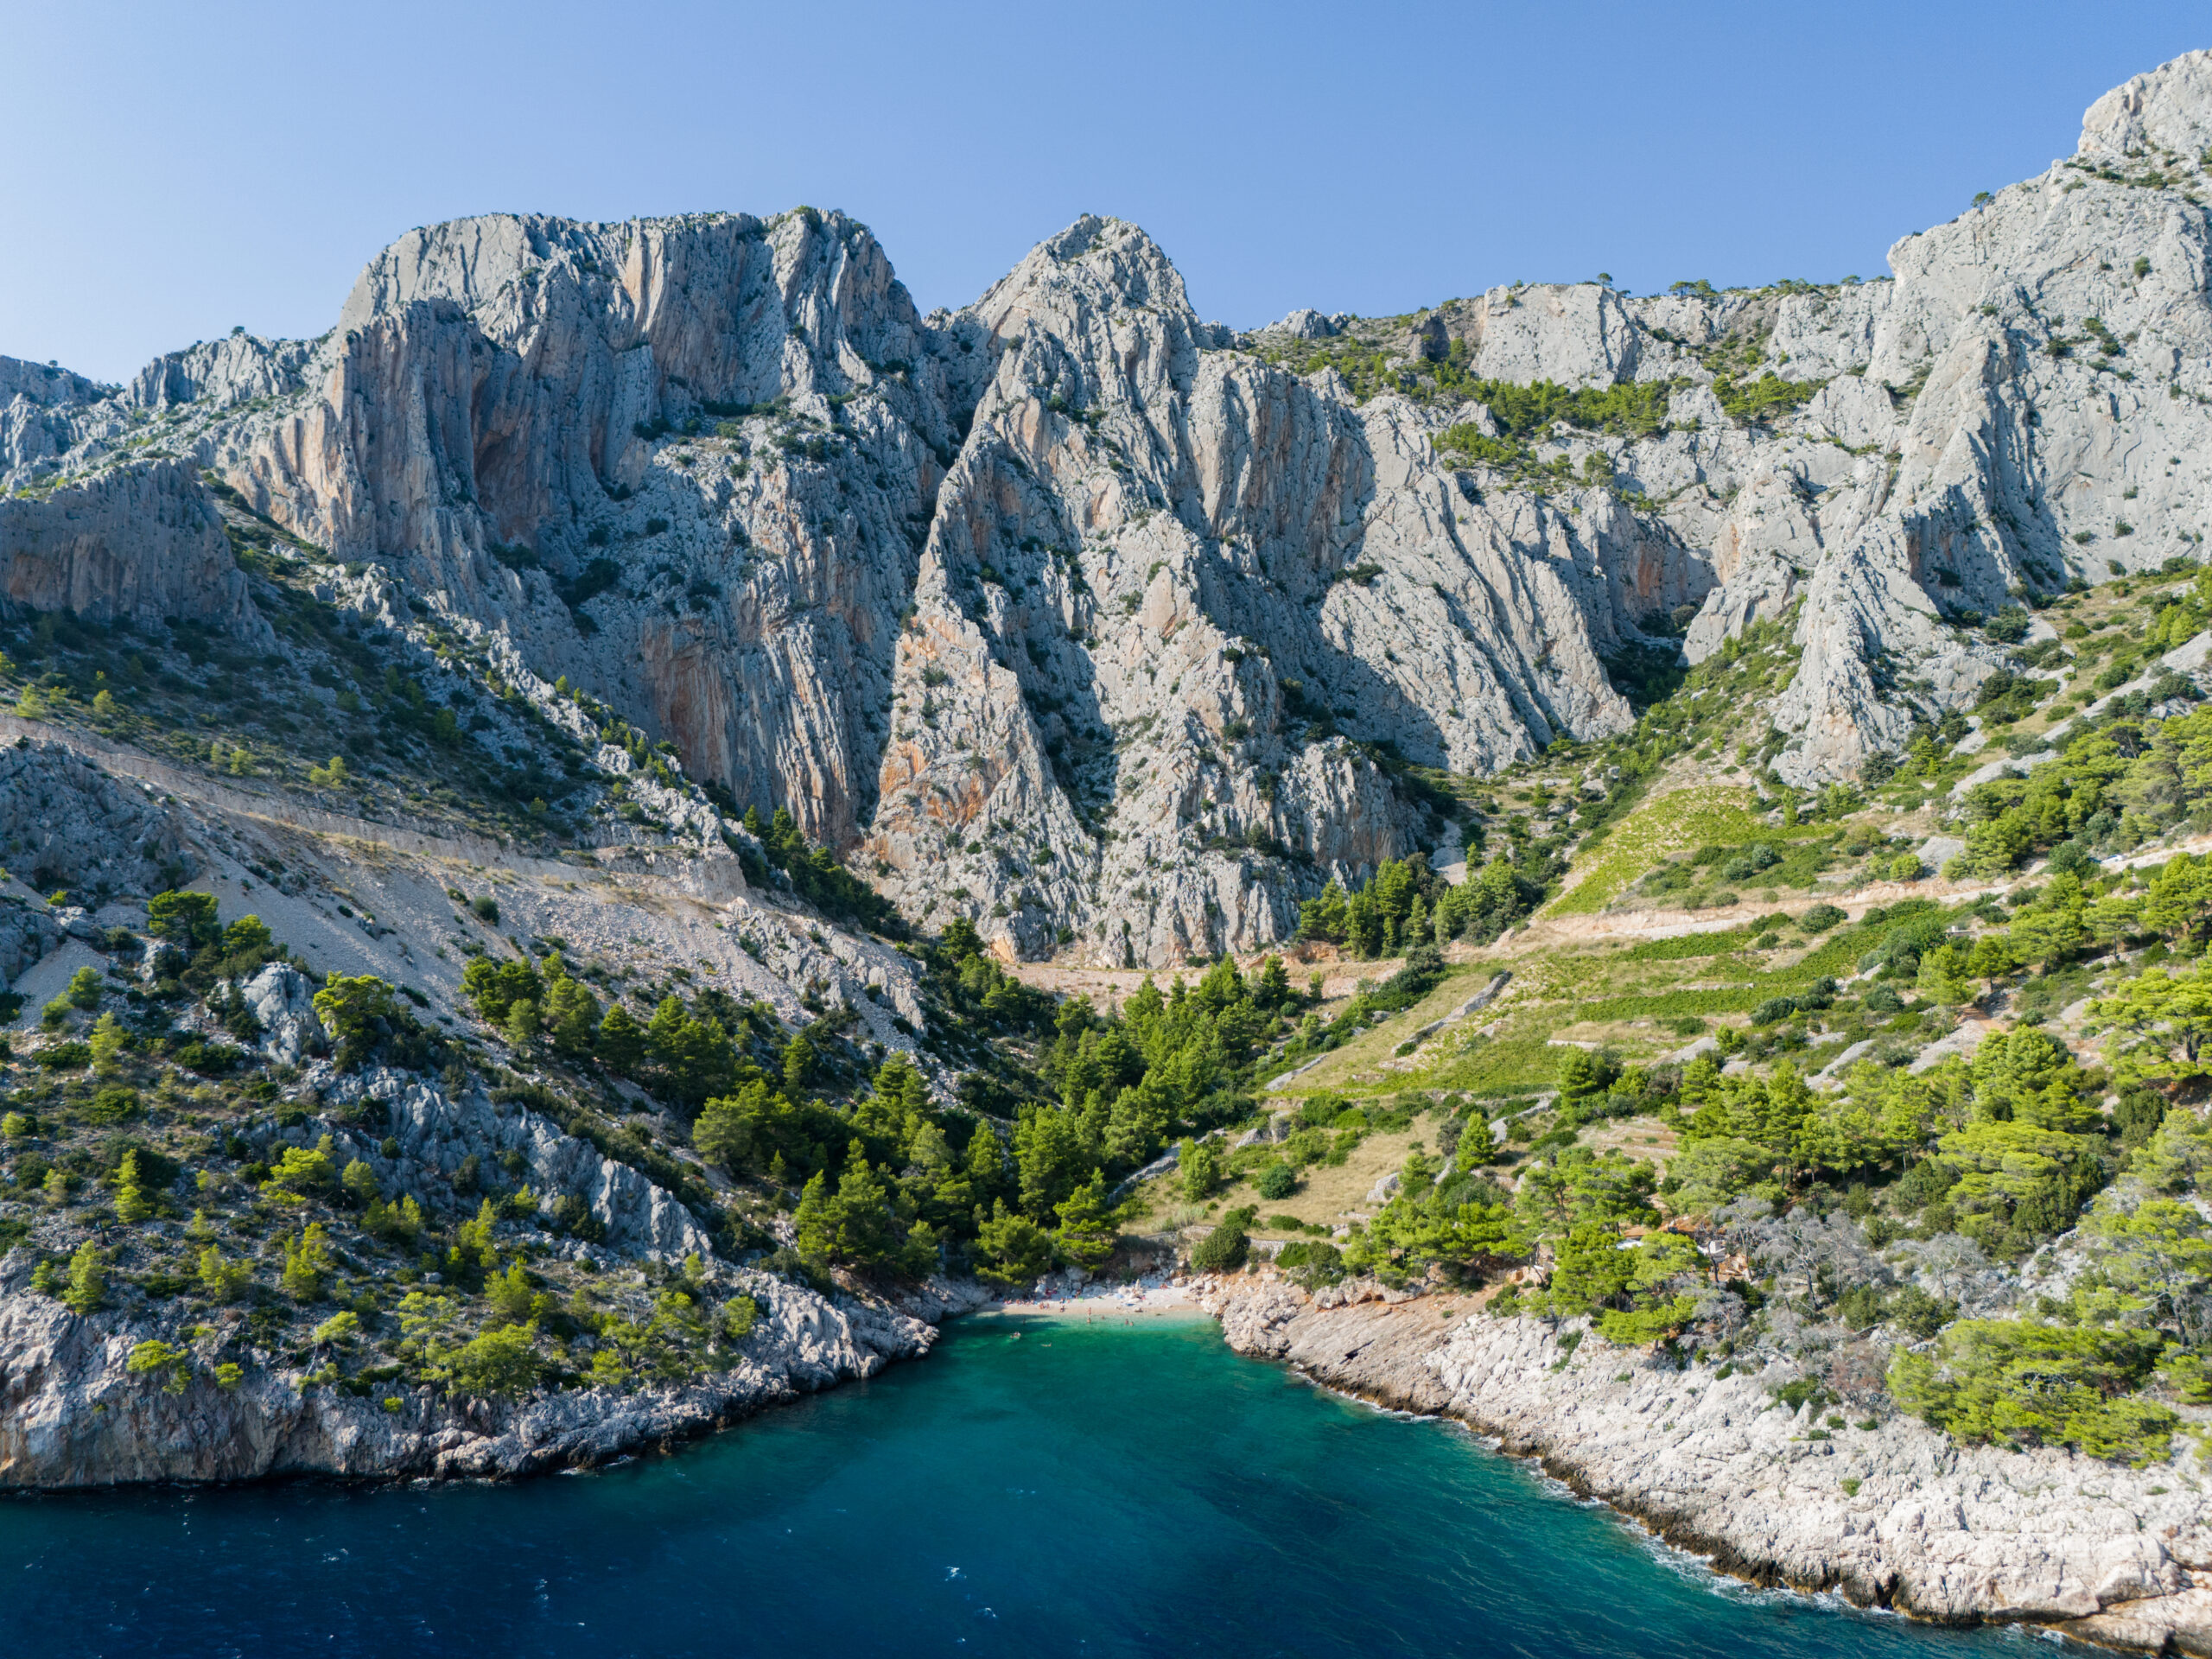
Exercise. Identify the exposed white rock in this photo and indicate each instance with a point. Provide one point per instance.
(1577, 334)
(1895, 1514)
(137, 544)
(73, 1415)
(1068, 611)
(2169, 109)
(283, 1001)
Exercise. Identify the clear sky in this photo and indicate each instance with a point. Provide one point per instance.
(177, 170)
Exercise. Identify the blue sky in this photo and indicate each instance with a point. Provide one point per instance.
(175, 170)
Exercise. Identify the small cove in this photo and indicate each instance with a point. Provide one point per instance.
(1087, 1489)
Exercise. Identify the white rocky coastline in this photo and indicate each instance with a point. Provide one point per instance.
(1897, 1517)
(73, 1415)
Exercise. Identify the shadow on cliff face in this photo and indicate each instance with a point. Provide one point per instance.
(686, 464)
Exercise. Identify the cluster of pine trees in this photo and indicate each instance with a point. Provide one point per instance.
(892, 1179)
(1407, 903)
(680, 1055)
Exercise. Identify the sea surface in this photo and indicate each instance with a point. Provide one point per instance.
(1096, 1490)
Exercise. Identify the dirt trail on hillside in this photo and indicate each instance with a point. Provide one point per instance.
(1342, 978)
(1111, 986)
(720, 880)
(1549, 931)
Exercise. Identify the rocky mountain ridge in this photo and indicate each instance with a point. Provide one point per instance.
(1115, 631)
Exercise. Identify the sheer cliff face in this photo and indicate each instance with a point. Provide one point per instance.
(1165, 588)
(2030, 399)
(1080, 617)
(136, 544)
(490, 422)
(1071, 619)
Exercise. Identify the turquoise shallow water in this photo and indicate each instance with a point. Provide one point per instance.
(1097, 1490)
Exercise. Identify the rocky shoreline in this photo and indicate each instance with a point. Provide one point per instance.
(72, 1415)
(1882, 1508)
(1837, 1494)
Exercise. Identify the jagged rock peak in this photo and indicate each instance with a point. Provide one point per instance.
(689, 276)
(2169, 109)
(237, 369)
(46, 385)
(1305, 323)
(1107, 259)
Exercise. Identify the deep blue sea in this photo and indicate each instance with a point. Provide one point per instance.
(1095, 1491)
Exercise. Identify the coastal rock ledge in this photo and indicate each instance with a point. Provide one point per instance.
(1894, 1516)
(71, 1414)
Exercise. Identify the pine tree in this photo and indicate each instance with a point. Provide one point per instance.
(1272, 990)
(473, 1239)
(814, 1228)
(1323, 918)
(693, 1056)
(87, 1288)
(621, 1043)
(131, 1203)
(798, 1063)
(1049, 1150)
(1201, 1170)
(1013, 1250)
(106, 1039)
(985, 1163)
(360, 1182)
(723, 1133)
(509, 1295)
(85, 988)
(307, 1263)
(571, 1015)
(521, 1025)
(861, 1213)
(1086, 1232)
(222, 1280)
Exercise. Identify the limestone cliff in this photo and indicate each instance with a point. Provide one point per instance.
(1109, 628)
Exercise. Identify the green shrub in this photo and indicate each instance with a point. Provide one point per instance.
(1819, 918)
(1221, 1250)
(113, 1105)
(740, 1315)
(1311, 1262)
(1276, 1181)
(1201, 1169)
(85, 989)
(501, 1362)
(173, 1366)
(86, 1290)
(1759, 401)
(2020, 1382)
